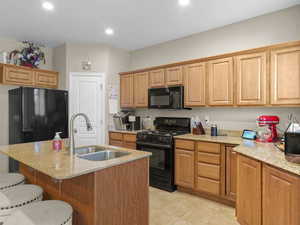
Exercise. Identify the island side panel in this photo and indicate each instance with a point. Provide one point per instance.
(78, 192)
(122, 194)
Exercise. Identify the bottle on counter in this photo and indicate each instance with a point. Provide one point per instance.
(214, 130)
(57, 142)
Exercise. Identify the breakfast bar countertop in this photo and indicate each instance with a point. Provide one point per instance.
(60, 165)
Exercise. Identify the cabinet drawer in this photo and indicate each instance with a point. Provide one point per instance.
(116, 136)
(209, 171)
(209, 158)
(208, 147)
(129, 137)
(116, 143)
(130, 145)
(184, 144)
(208, 185)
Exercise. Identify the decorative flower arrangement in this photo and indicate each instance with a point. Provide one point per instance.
(30, 56)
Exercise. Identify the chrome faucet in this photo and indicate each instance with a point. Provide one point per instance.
(72, 130)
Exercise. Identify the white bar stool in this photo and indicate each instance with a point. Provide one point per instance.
(17, 197)
(51, 212)
(8, 180)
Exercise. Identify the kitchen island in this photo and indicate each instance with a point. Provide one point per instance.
(114, 192)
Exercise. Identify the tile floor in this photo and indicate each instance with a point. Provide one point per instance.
(184, 209)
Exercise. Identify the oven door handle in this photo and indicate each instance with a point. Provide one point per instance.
(154, 145)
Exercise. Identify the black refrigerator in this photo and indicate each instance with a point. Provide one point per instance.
(35, 114)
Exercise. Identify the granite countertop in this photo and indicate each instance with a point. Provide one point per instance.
(60, 165)
(208, 138)
(265, 152)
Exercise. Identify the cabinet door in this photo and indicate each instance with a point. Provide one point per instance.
(141, 85)
(157, 78)
(285, 76)
(46, 79)
(220, 79)
(184, 168)
(231, 173)
(194, 84)
(249, 192)
(281, 197)
(126, 92)
(174, 76)
(251, 77)
(16, 75)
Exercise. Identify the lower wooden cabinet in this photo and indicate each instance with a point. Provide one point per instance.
(231, 173)
(266, 195)
(249, 191)
(200, 167)
(124, 140)
(184, 168)
(281, 197)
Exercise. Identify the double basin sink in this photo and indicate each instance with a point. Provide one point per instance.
(98, 153)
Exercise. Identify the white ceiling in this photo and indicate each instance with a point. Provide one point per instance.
(137, 23)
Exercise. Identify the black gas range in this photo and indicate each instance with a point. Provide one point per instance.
(161, 144)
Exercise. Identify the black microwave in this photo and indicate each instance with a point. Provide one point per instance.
(166, 98)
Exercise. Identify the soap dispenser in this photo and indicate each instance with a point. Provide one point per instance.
(57, 142)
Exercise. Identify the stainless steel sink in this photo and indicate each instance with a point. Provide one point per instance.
(88, 149)
(103, 155)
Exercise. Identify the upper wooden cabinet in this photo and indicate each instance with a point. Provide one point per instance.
(126, 90)
(23, 76)
(46, 79)
(220, 79)
(281, 197)
(157, 78)
(249, 210)
(251, 77)
(285, 76)
(174, 76)
(141, 85)
(194, 84)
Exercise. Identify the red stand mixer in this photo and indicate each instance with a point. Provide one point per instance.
(267, 131)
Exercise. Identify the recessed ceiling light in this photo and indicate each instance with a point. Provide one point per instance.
(48, 6)
(109, 31)
(184, 2)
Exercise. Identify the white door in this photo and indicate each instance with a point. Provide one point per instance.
(87, 96)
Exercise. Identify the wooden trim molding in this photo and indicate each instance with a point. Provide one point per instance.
(232, 54)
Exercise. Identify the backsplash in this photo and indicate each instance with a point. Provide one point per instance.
(227, 118)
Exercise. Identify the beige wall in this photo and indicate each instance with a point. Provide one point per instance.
(105, 59)
(265, 30)
(281, 26)
(9, 45)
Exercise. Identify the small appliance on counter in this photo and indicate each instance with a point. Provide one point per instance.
(134, 123)
(292, 143)
(126, 120)
(267, 131)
